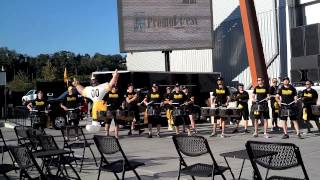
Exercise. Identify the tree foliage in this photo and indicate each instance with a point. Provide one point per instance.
(50, 67)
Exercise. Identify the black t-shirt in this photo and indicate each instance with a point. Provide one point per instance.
(71, 101)
(310, 97)
(113, 99)
(287, 94)
(130, 96)
(178, 97)
(242, 98)
(155, 97)
(39, 104)
(221, 95)
(261, 92)
(273, 92)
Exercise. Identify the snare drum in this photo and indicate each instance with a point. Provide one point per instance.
(230, 112)
(153, 112)
(72, 115)
(124, 115)
(287, 112)
(109, 114)
(315, 110)
(177, 112)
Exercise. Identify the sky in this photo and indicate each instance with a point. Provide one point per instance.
(46, 26)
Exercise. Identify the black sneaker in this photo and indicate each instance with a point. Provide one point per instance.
(141, 131)
(299, 136)
(285, 136)
(129, 133)
(246, 131)
(235, 131)
(150, 135)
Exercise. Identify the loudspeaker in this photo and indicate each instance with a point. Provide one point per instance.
(312, 37)
(297, 41)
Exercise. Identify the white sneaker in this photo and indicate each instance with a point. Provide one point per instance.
(266, 135)
(222, 135)
(255, 135)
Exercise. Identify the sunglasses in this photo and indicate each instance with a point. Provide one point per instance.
(308, 84)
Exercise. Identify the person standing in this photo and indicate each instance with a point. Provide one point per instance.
(40, 105)
(309, 98)
(287, 94)
(260, 98)
(114, 101)
(190, 108)
(177, 99)
(242, 98)
(274, 104)
(131, 98)
(220, 98)
(71, 101)
(153, 101)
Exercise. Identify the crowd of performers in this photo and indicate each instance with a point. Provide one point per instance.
(176, 106)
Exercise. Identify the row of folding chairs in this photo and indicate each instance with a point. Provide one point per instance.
(283, 155)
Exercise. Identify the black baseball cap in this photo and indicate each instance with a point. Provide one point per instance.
(240, 85)
(155, 85)
(177, 85)
(130, 84)
(220, 79)
(286, 78)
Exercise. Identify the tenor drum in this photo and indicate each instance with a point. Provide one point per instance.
(315, 110)
(230, 112)
(208, 111)
(72, 115)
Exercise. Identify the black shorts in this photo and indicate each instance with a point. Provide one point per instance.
(310, 115)
(154, 120)
(244, 114)
(180, 120)
(293, 117)
(116, 121)
(260, 114)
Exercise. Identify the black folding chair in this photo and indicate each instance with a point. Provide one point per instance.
(195, 146)
(285, 156)
(26, 162)
(33, 137)
(5, 168)
(22, 137)
(108, 145)
(48, 143)
(74, 138)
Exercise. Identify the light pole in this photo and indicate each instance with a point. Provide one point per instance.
(3, 82)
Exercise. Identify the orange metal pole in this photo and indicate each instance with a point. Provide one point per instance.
(253, 42)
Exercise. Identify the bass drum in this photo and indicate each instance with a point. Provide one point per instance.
(59, 122)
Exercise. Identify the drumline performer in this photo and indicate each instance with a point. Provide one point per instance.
(260, 98)
(190, 108)
(177, 99)
(309, 98)
(41, 105)
(287, 94)
(274, 104)
(242, 98)
(154, 100)
(71, 101)
(131, 98)
(220, 97)
(168, 107)
(113, 100)
(96, 92)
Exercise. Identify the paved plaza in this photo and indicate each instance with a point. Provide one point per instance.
(161, 159)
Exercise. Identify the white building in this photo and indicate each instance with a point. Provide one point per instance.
(275, 18)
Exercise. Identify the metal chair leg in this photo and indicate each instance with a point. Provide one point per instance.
(123, 173)
(84, 151)
(136, 173)
(93, 156)
(99, 174)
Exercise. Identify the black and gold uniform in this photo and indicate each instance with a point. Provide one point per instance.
(261, 93)
(72, 102)
(155, 98)
(179, 98)
(309, 98)
(274, 105)
(114, 99)
(40, 105)
(221, 95)
(242, 103)
(288, 94)
(190, 107)
(133, 106)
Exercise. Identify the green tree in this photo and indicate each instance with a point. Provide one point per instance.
(48, 72)
(20, 83)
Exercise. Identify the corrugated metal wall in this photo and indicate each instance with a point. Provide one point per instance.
(230, 49)
(229, 53)
(180, 61)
